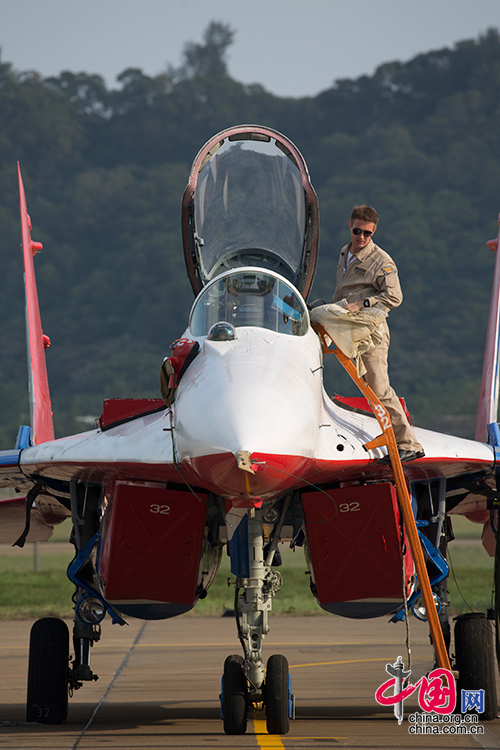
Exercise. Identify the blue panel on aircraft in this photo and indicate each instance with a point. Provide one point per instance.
(238, 550)
(494, 434)
(23, 439)
(9, 458)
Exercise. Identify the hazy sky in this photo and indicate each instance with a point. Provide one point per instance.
(292, 47)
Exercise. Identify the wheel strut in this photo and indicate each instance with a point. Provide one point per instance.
(246, 685)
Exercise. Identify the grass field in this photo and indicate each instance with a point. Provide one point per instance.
(25, 593)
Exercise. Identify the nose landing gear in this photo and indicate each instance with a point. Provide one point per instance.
(246, 685)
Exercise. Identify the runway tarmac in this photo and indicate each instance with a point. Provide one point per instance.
(160, 682)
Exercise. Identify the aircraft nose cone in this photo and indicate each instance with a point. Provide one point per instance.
(246, 413)
(237, 419)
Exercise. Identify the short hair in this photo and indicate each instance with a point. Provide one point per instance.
(364, 213)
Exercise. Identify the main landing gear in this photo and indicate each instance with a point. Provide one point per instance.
(51, 675)
(246, 685)
(474, 657)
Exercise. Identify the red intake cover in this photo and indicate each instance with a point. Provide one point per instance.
(354, 543)
(152, 544)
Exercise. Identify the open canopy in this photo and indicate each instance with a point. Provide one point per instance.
(250, 202)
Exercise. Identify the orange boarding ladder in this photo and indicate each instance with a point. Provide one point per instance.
(387, 438)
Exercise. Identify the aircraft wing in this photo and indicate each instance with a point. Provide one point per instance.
(138, 448)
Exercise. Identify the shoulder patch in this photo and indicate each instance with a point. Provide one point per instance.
(359, 271)
(386, 270)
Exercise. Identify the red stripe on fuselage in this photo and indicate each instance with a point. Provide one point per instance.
(274, 474)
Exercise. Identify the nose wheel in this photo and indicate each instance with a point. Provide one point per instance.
(278, 695)
(237, 700)
(234, 696)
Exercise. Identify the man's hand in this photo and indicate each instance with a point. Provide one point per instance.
(353, 306)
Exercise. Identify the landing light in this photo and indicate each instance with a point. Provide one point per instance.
(418, 607)
(271, 516)
(90, 610)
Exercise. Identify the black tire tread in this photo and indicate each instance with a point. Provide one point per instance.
(276, 695)
(47, 701)
(475, 661)
(234, 696)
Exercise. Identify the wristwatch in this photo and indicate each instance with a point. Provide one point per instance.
(366, 303)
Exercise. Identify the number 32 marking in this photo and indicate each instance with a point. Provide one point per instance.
(346, 507)
(163, 510)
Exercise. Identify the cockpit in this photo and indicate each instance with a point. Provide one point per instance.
(248, 297)
(250, 203)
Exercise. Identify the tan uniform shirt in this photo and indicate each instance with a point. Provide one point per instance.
(371, 275)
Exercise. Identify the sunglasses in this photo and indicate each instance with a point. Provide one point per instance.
(366, 232)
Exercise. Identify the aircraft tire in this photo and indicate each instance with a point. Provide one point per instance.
(48, 664)
(475, 661)
(234, 696)
(277, 698)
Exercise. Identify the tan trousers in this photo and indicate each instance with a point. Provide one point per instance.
(377, 377)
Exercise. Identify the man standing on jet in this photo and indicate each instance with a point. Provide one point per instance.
(367, 276)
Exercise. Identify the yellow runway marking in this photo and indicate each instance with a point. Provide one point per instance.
(328, 663)
(263, 738)
(274, 741)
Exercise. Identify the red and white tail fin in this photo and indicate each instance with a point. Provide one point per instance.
(42, 427)
(487, 411)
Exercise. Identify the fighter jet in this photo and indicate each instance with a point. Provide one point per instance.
(245, 451)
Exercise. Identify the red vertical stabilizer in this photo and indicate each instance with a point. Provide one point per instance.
(41, 410)
(487, 411)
